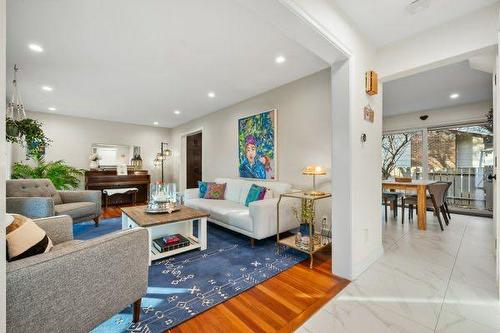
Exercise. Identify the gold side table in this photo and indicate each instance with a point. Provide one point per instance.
(317, 241)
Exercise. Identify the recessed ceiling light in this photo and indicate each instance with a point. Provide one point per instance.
(280, 59)
(35, 47)
(177, 112)
(156, 123)
(51, 108)
(47, 88)
(211, 94)
(454, 96)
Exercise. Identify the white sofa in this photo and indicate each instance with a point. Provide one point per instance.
(258, 220)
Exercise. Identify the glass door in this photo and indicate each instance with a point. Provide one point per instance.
(463, 156)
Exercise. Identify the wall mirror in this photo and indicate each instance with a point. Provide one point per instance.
(112, 155)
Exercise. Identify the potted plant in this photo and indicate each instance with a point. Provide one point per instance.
(63, 176)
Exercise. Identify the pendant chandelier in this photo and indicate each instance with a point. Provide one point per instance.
(15, 107)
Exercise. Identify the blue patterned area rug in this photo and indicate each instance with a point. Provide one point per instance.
(185, 285)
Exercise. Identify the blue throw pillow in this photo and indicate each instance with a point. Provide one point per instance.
(254, 194)
(202, 186)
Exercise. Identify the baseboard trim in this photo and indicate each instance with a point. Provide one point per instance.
(362, 266)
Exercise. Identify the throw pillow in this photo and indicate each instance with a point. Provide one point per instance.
(215, 191)
(255, 193)
(202, 187)
(25, 238)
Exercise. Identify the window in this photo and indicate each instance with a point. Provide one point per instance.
(402, 155)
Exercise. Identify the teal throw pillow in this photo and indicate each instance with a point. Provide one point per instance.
(255, 193)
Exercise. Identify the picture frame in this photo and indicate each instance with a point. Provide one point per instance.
(121, 170)
(258, 146)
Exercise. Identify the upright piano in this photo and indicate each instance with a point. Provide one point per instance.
(108, 179)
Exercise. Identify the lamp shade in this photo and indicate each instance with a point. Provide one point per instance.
(315, 170)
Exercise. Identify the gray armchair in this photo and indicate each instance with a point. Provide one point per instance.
(37, 198)
(78, 284)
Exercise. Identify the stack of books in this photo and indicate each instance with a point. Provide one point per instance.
(170, 242)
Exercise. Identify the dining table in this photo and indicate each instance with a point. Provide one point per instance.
(420, 186)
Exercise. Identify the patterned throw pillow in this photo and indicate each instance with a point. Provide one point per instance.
(215, 191)
(202, 187)
(25, 238)
(255, 193)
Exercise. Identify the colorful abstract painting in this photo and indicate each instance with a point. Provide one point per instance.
(257, 146)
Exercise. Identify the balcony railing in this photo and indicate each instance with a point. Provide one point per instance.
(470, 187)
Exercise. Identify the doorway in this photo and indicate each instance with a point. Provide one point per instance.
(194, 145)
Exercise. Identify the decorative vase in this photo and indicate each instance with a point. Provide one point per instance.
(94, 165)
(136, 160)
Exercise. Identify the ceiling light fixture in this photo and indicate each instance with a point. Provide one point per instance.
(211, 94)
(35, 47)
(454, 96)
(280, 59)
(417, 6)
(177, 112)
(51, 108)
(47, 88)
(155, 123)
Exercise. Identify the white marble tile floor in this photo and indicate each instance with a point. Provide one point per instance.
(426, 281)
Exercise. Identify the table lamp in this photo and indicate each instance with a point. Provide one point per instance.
(314, 170)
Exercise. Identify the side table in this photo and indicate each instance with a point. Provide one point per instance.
(317, 241)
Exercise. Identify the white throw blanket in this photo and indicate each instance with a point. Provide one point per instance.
(112, 191)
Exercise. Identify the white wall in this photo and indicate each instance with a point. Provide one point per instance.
(450, 42)
(356, 166)
(460, 114)
(73, 137)
(304, 132)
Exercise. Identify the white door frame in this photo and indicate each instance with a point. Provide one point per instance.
(183, 159)
(496, 167)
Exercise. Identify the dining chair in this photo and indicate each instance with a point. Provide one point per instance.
(435, 201)
(445, 201)
(389, 197)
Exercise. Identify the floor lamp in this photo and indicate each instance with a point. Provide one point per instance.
(161, 157)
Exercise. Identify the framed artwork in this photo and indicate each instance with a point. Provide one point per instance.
(257, 146)
(121, 170)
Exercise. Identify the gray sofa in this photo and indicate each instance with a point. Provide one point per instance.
(78, 284)
(37, 198)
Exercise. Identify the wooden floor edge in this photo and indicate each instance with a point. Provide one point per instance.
(306, 314)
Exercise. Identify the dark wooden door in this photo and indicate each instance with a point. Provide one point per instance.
(193, 160)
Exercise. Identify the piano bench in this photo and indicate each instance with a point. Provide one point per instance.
(107, 193)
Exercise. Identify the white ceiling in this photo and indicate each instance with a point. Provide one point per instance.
(432, 89)
(387, 21)
(138, 61)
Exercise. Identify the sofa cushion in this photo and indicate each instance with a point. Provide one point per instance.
(25, 238)
(215, 191)
(232, 213)
(76, 209)
(233, 189)
(64, 245)
(200, 203)
(242, 186)
(245, 188)
(32, 188)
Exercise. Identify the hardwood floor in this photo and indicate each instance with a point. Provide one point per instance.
(280, 304)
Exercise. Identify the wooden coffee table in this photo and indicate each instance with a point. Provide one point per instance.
(160, 225)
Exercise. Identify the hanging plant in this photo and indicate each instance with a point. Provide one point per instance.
(11, 130)
(28, 133)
